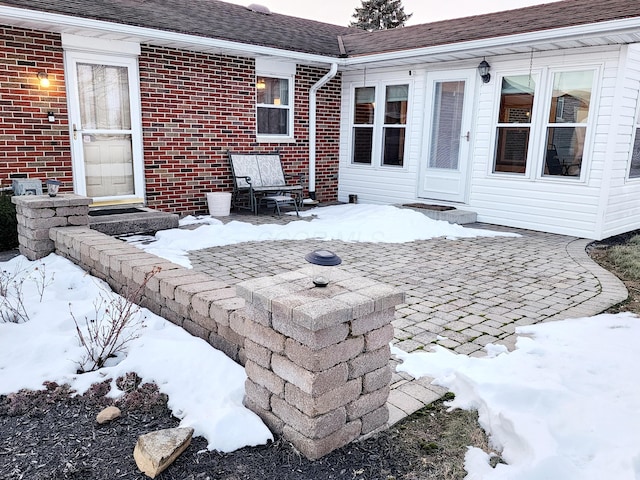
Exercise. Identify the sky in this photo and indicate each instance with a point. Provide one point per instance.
(339, 12)
(565, 404)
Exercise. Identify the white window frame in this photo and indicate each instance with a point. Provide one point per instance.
(283, 71)
(537, 76)
(540, 122)
(377, 150)
(589, 125)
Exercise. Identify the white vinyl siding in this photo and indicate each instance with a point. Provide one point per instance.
(551, 204)
(602, 202)
(377, 183)
(621, 212)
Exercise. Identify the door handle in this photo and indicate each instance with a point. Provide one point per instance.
(467, 136)
(75, 132)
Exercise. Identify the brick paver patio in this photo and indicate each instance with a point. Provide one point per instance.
(460, 293)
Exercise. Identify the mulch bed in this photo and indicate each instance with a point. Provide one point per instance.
(51, 434)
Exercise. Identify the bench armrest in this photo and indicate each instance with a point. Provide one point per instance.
(246, 179)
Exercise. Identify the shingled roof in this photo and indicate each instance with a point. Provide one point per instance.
(548, 16)
(225, 21)
(205, 18)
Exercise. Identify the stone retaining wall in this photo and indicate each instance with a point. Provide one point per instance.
(317, 359)
(195, 301)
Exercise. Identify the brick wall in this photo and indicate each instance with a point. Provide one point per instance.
(29, 144)
(195, 107)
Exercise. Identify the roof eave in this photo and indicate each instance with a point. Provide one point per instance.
(529, 39)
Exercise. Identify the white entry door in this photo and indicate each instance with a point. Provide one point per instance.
(105, 127)
(445, 155)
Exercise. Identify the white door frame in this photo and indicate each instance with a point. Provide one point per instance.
(448, 184)
(72, 58)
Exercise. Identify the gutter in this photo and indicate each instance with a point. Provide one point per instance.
(312, 127)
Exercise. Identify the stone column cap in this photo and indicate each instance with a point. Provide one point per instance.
(292, 296)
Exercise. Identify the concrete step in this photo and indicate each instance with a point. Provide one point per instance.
(123, 221)
(461, 217)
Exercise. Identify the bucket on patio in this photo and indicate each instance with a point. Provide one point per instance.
(353, 198)
(219, 203)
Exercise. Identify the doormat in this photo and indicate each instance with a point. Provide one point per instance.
(426, 206)
(114, 211)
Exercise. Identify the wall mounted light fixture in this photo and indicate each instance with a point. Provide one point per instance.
(483, 70)
(44, 79)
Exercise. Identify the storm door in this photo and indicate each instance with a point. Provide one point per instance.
(105, 127)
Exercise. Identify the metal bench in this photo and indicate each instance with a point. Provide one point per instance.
(260, 175)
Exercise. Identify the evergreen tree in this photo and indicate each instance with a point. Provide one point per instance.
(380, 15)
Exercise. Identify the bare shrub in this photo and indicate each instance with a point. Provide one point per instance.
(12, 306)
(112, 327)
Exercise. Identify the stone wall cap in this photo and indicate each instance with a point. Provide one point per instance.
(45, 201)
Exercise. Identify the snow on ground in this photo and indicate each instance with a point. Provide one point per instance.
(564, 405)
(350, 223)
(46, 348)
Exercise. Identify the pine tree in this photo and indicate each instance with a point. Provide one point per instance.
(380, 15)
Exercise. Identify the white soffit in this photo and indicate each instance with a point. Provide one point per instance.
(103, 45)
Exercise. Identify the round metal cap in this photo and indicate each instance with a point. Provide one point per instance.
(323, 257)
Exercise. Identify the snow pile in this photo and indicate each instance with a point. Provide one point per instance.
(563, 405)
(205, 388)
(349, 223)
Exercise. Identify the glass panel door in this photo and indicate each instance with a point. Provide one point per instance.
(446, 124)
(105, 115)
(448, 133)
(105, 122)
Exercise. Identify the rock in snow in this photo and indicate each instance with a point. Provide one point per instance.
(155, 451)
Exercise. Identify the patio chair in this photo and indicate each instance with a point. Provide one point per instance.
(554, 166)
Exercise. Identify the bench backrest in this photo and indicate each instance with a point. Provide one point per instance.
(245, 166)
(265, 170)
(271, 170)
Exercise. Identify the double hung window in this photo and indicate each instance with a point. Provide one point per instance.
(378, 135)
(274, 112)
(567, 122)
(561, 132)
(514, 123)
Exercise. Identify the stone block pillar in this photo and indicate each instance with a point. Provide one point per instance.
(36, 214)
(317, 359)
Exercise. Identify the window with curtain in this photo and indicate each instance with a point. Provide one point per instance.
(447, 108)
(273, 106)
(363, 123)
(514, 124)
(567, 122)
(395, 121)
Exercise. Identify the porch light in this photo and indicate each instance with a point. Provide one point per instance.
(44, 79)
(53, 186)
(483, 70)
(322, 259)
